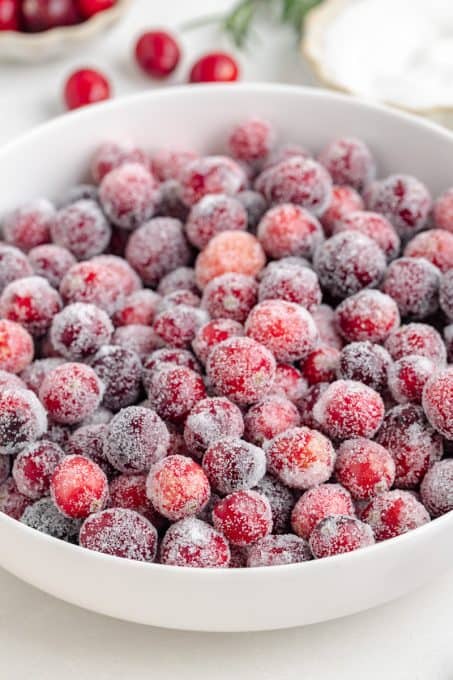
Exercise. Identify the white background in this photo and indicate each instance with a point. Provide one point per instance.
(41, 638)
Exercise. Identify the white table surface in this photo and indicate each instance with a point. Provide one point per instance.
(44, 639)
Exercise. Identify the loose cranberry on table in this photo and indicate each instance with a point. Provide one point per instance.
(85, 86)
(214, 67)
(157, 53)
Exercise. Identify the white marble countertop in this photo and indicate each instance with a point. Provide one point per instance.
(44, 639)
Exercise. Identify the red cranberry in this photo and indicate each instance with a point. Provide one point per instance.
(435, 245)
(403, 200)
(32, 302)
(40, 15)
(129, 491)
(306, 403)
(243, 517)
(438, 401)
(349, 262)
(12, 502)
(241, 369)
(412, 442)
(211, 419)
(193, 543)
(79, 487)
(212, 333)
(89, 441)
(319, 502)
(211, 175)
(174, 391)
(51, 262)
(140, 339)
(271, 551)
(119, 370)
(368, 315)
(416, 338)
(414, 285)
(349, 161)
(407, 377)
(289, 382)
(120, 532)
(16, 347)
(13, 265)
(269, 417)
(281, 500)
(251, 140)
(34, 467)
(181, 278)
(85, 86)
(79, 330)
(169, 355)
(128, 195)
(289, 230)
(366, 363)
(95, 283)
(233, 465)
(344, 200)
(178, 487)
(446, 294)
(168, 164)
(137, 308)
(229, 252)
(349, 409)
(9, 15)
(214, 67)
(213, 214)
(111, 155)
(436, 488)
(321, 365)
(373, 225)
(71, 392)
(339, 534)
(30, 225)
(157, 53)
(129, 278)
(364, 468)
(45, 517)
(329, 336)
(178, 325)
(89, 8)
(82, 229)
(443, 211)
(286, 280)
(394, 513)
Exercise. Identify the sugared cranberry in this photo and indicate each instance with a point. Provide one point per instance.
(174, 391)
(368, 315)
(366, 363)
(45, 517)
(416, 338)
(129, 491)
(339, 534)
(344, 200)
(230, 296)
(403, 200)
(130, 280)
(349, 262)
(212, 333)
(443, 211)
(156, 248)
(16, 347)
(329, 336)
(128, 195)
(157, 53)
(229, 252)
(212, 419)
(10, 15)
(120, 532)
(255, 206)
(438, 401)
(179, 297)
(79, 330)
(178, 487)
(373, 225)
(85, 86)
(9, 381)
(251, 140)
(319, 502)
(51, 262)
(243, 517)
(394, 513)
(119, 370)
(435, 245)
(13, 265)
(364, 468)
(193, 543)
(289, 230)
(271, 551)
(30, 225)
(22, 419)
(289, 281)
(349, 161)
(79, 487)
(82, 229)
(12, 502)
(446, 294)
(34, 373)
(34, 466)
(348, 408)
(181, 278)
(321, 365)
(281, 500)
(168, 164)
(32, 302)
(289, 382)
(435, 489)
(89, 441)
(111, 155)
(407, 377)
(95, 283)
(71, 392)
(412, 442)
(269, 417)
(214, 67)
(213, 214)
(140, 339)
(178, 325)
(211, 175)
(137, 308)
(169, 355)
(233, 465)
(414, 285)
(40, 15)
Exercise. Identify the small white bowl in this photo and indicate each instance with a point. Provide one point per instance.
(49, 160)
(33, 47)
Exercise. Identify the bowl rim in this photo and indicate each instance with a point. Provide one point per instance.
(316, 22)
(68, 119)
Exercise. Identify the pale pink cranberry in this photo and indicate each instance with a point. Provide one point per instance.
(14, 264)
(446, 294)
(211, 419)
(438, 401)
(349, 161)
(251, 140)
(174, 391)
(373, 225)
(129, 278)
(79, 330)
(178, 325)
(364, 468)
(229, 252)
(297, 180)
(272, 551)
(156, 248)
(443, 211)
(12, 502)
(177, 487)
(317, 503)
(416, 338)
(348, 263)
(407, 377)
(348, 408)
(140, 339)
(111, 155)
(34, 467)
(129, 195)
(289, 230)
(435, 489)
(82, 229)
(168, 164)
(79, 487)
(281, 500)
(300, 457)
(120, 532)
(368, 315)
(344, 200)
(321, 365)
(120, 371)
(71, 392)
(22, 419)
(339, 534)
(16, 347)
(243, 517)
(329, 336)
(137, 308)
(414, 285)
(181, 278)
(211, 175)
(129, 491)
(365, 362)
(394, 513)
(269, 417)
(194, 543)
(232, 464)
(213, 214)
(435, 245)
(32, 302)
(212, 333)
(51, 262)
(285, 280)
(30, 225)
(241, 369)
(403, 200)
(286, 329)
(413, 444)
(95, 283)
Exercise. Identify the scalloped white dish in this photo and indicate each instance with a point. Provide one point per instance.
(235, 599)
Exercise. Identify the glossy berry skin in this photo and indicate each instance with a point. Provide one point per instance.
(85, 87)
(364, 468)
(71, 392)
(89, 8)
(243, 517)
(394, 513)
(217, 67)
(319, 502)
(121, 533)
(34, 467)
(157, 53)
(339, 534)
(9, 15)
(79, 487)
(41, 15)
(194, 543)
(272, 551)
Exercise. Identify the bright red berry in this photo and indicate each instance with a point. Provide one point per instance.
(157, 53)
(214, 67)
(85, 86)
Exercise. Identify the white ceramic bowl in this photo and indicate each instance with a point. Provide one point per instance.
(50, 159)
(45, 45)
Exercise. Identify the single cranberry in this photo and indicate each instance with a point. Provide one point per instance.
(157, 53)
(181, 278)
(289, 230)
(89, 8)
(438, 401)
(137, 308)
(16, 347)
(177, 487)
(344, 200)
(110, 155)
(30, 225)
(51, 262)
(85, 86)
(34, 467)
(13, 265)
(129, 491)
(44, 516)
(416, 338)
(243, 517)
(174, 391)
(194, 543)
(319, 502)
(232, 465)
(229, 252)
(40, 15)
(365, 362)
(290, 281)
(364, 468)
(71, 392)
(403, 200)
(95, 283)
(368, 315)
(32, 302)
(230, 296)
(177, 326)
(394, 513)
(120, 532)
(10, 15)
(414, 285)
(211, 419)
(281, 500)
(213, 214)
(435, 245)
(214, 67)
(269, 417)
(210, 175)
(320, 366)
(271, 551)
(82, 229)
(349, 161)
(80, 330)
(79, 487)
(22, 419)
(251, 140)
(128, 195)
(120, 371)
(407, 378)
(339, 534)
(435, 489)
(212, 333)
(169, 355)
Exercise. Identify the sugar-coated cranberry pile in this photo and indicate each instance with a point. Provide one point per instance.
(229, 360)
(33, 16)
